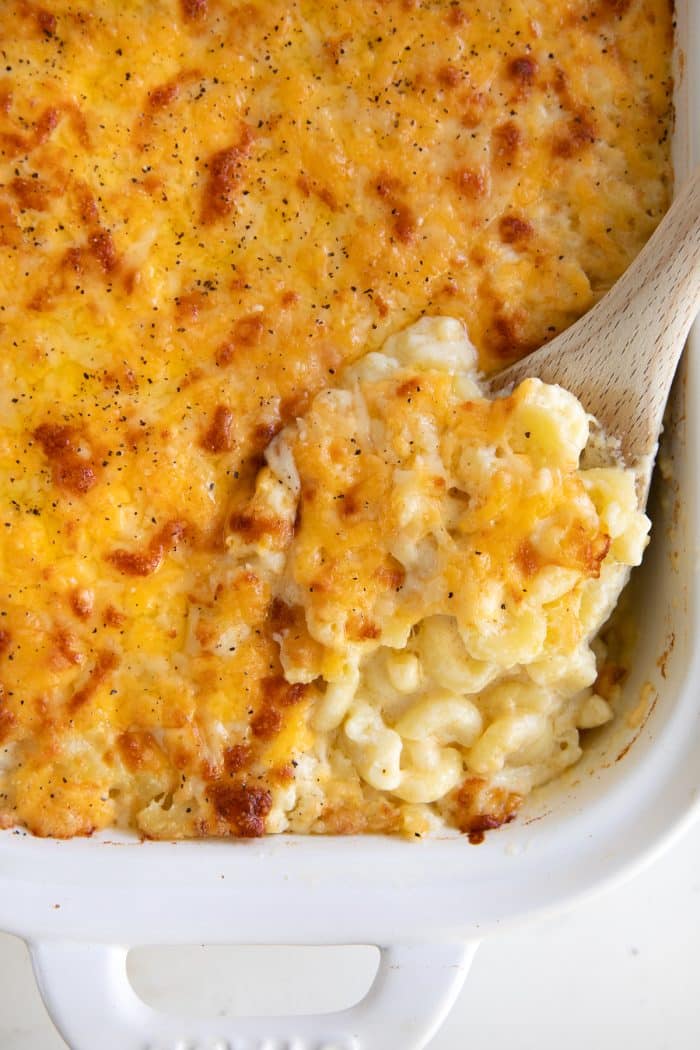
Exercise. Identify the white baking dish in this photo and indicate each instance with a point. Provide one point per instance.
(82, 904)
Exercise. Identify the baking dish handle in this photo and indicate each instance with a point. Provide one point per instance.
(88, 994)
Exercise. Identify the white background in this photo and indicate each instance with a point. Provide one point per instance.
(622, 970)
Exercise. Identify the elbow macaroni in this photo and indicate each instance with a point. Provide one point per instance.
(453, 563)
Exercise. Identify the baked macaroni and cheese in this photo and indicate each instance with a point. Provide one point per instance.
(440, 565)
(271, 558)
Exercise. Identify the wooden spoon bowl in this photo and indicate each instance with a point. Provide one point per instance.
(620, 358)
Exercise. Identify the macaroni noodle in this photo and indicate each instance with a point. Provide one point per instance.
(451, 572)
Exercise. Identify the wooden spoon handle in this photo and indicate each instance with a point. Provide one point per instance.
(620, 358)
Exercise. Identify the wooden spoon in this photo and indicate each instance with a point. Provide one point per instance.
(620, 358)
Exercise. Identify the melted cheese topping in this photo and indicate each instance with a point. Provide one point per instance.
(206, 209)
(449, 568)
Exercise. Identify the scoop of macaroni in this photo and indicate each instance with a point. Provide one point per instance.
(445, 568)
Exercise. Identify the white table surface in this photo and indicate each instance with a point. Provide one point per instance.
(621, 970)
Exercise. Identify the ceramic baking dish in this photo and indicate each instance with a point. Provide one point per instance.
(82, 904)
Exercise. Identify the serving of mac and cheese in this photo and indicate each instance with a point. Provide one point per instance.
(440, 565)
(271, 559)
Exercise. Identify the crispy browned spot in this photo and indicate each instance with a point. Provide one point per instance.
(308, 491)
(404, 221)
(408, 386)
(514, 230)
(189, 304)
(11, 144)
(151, 183)
(73, 260)
(143, 563)
(584, 552)
(137, 748)
(64, 652)
(194, 10)
(359, 629)
(392, 574)
(295, 405)
(309, 186)
(476, 808)
(243, 808)
(506, 140)
(46, 21)
(381, 305)
(78, 123)
(578, 133)
(282, 774)
(280, 616)
(523, 69)
(193, 376)
(527, 559)
(226, 170)
(252, 527)
(161, 96)
(386, 186)
(7, 723)
(595, 553)
(30, 193)
(246, 332)
(81, 602)
(219, 435)
(106, 662)
(263, 433)
(335, 47)
(54, 439)
(278, 691)
(70, 469)
(470, 183)
(449, 76)
(505, 337)
(474, 106)
(113, 618)
(237, 757)
(456, 16)
(87, 205)
(10, 229)
(45, 125)
(351, 502)
(103, 250)
(596, 14)
(480, 825)
(266, 723)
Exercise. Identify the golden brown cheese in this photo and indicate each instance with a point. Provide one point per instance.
(464, 531)
(206, 208)
(450, 568)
